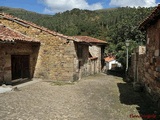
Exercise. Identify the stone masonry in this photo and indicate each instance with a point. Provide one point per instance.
(56, 54)
(8, 49)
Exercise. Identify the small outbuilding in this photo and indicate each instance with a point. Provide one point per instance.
(111, 63)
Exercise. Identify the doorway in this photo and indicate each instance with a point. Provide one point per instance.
(20, 66)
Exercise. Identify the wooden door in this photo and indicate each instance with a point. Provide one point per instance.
(20, 66)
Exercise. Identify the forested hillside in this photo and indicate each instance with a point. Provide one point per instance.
(112, 25)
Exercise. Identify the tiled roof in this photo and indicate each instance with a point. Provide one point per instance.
(84, 39)
(152, 17)
(109, 59)
(10, 35)
(89, 39)
(27, 24)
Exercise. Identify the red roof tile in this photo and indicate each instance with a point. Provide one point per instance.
(8, 34)
(109, 59)
(89, 39)
(152, 17)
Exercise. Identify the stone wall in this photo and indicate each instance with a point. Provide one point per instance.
(140, 69)
(143, 70)
(2, 64)
(132, 67)
(92, 66)
(8, 49)
(95, 51)
(56, 55)
(85, 66)
(147, 66)
(152, 74)
(136, 70)
(84, 61)
(80, 61)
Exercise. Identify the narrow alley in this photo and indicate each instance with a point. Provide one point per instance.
(98, 97)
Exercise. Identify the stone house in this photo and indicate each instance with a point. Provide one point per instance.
(148, 63)
(111, 63)
(47, 54)
(94, 56)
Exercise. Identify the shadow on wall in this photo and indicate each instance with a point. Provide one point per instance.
(146, 107)
(35, 48)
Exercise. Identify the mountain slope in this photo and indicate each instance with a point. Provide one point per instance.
(82, 22)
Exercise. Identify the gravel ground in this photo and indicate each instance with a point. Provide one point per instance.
(99, 97)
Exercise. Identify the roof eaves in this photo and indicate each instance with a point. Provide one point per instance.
(147, 20)
(99, 43)
(9, 35)
(90, 40)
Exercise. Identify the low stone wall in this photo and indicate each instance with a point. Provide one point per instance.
(143, 71)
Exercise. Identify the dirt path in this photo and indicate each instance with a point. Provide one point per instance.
(99, 97)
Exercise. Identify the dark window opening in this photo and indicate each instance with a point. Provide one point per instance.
(79, 51)
(79, 65)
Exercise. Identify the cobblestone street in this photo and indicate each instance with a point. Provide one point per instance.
(99, 97)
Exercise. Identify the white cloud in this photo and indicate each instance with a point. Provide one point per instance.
(133, 3)
(54, 6)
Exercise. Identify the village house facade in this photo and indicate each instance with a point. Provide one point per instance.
(18, 55)
(146, 70)
(111, 63)
(47, 54)
(94, 55)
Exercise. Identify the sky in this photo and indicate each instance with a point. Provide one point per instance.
(56, 6)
